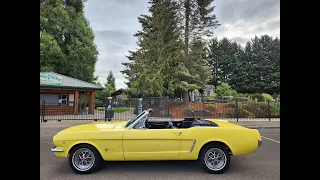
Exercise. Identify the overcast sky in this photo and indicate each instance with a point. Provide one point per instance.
(115, 21)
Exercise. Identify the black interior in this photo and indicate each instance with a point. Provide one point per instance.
(185, 123)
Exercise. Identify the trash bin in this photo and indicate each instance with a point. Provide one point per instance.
(109, 113)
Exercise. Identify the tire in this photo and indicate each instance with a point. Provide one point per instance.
(84, 159)
(210, 162)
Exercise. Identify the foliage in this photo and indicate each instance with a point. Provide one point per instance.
(267, 97)
(83, 97)
(154, 67)
(210, 107)
(224, 89)
(110, 85)
(242, 113)
(260, 109)
(66, 40)
(171, 56)
(252, 69)
(211, 98)
(116, 109)
(257, 96)
(197, 21)
(252, 109)
(276, 106)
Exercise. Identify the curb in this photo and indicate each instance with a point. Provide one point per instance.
(263, 127)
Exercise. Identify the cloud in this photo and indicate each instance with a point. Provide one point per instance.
(114, 23)
(243, 19)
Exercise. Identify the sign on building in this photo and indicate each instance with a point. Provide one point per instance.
(50, 79)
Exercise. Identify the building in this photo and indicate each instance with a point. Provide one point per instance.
(60, 94)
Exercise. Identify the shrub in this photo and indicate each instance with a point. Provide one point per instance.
(225, 90)
(210, 108)
(257, 96)
(242, 113)
(210, 98)
(267, 97)
(275, 95)
(260, 109)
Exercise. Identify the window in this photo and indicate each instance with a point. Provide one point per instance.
(63, 99)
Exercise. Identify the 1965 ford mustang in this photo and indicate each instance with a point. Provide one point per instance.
(212, 142)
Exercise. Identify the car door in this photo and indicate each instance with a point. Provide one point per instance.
(151, 144)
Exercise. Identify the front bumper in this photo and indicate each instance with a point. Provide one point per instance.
(55, 149)
(259, 143)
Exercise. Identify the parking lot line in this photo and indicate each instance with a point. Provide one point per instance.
(271, 139)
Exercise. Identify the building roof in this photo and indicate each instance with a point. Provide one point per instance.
(55, 80)
(117, 92)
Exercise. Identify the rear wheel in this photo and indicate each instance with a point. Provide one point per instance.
(215, 159)
(84, 159)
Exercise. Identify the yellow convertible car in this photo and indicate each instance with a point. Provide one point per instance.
(211, 142)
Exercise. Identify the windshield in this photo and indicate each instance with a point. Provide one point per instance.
(135, 119)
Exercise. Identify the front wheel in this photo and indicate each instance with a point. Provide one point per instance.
(84, 159)
(215, 159)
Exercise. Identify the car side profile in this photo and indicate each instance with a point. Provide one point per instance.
(211, 142)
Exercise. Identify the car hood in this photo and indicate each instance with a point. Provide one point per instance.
(97, 126)
(226, 124)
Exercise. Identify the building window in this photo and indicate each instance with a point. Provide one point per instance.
(63, 99)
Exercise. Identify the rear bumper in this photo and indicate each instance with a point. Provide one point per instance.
(259, 143)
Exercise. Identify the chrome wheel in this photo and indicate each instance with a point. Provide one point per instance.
(83, 159)
(215, 159)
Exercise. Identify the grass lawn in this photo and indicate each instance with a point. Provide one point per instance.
(116, 109)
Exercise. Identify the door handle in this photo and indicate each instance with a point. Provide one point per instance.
(178, 133)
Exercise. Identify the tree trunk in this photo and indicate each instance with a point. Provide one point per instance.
(186, 29)
(185, 96)
(186, 44)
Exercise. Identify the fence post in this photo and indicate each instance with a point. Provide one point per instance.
(237, 110)
(269, 112)
(167, 102)
(203, 110)
(43, 111)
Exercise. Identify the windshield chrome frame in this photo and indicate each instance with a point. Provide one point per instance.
(145, 113)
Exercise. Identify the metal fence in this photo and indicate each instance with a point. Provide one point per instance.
(125, 109)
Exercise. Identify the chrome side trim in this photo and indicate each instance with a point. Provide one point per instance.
(206, 126)
(192, 146)
(55, 149)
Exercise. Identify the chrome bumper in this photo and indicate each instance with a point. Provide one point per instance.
(259, 143)
(55, 149)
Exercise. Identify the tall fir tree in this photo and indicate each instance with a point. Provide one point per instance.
(197, 20)
(159, 53)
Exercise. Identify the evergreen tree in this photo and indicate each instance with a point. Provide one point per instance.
(198, 21)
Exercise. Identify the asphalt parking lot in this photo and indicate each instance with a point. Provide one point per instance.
(262, 164)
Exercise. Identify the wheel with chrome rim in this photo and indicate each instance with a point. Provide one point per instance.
(215, 158)
(84, 159)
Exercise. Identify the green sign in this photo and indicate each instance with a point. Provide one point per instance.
(50, 79)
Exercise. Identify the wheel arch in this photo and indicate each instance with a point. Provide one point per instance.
(78, 143)
(218, 142)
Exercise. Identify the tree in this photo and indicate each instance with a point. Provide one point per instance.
(224, 59)
(127, 72)
(263, 56)
(197, 21)
(110, 85)
(252, 69)
(66, 40)
(159, 54)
